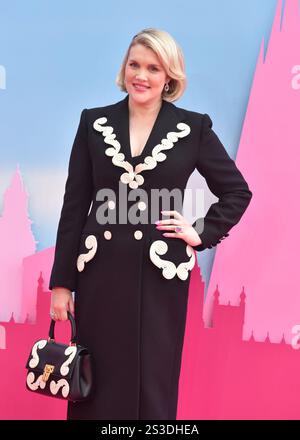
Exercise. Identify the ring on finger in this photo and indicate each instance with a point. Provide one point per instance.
(178, 229)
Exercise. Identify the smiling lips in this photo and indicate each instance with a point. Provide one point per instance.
(140, 87)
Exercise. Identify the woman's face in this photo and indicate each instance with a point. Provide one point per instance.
(143, 67)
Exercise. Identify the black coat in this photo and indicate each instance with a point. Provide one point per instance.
(130, 282)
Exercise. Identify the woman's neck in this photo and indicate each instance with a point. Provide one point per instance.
(141, 111)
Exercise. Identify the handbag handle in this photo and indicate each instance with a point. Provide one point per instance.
(73, 326)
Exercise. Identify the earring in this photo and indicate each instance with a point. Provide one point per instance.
(166, 88)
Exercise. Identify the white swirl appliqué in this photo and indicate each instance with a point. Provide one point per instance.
(39, 345)
(91, 244)
(35, 384)
(61, 383)
(71, 352)
(132, 177)
(159, 247)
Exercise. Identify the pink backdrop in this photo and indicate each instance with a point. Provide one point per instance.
(240, 363)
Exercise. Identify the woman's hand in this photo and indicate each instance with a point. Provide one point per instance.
(188, 233)
(61, 302)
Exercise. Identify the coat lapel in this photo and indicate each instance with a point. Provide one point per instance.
(167, 119)
(164, 134)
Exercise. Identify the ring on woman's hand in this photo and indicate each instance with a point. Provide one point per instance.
(178, 229)
(53, 314)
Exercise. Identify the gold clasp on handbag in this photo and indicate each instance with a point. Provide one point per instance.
(47, 371)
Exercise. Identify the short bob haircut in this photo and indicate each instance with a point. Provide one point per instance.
(170, 55)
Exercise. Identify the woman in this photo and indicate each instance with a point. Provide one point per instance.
(131, 278)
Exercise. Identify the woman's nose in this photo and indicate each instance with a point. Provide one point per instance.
(141, 77)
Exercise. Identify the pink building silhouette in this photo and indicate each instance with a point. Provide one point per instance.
(222, 376)
(17, 241)
(16, 402)
(261, 251)
(226, 377)
(232, 369)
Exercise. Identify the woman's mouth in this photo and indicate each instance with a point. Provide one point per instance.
(140, 88)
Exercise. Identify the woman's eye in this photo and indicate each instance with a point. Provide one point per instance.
(134, 64)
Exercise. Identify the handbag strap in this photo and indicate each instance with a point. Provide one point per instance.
(73, 327)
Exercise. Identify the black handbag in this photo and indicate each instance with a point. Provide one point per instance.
(60, 370)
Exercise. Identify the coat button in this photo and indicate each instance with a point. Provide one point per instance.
(111, 204)
(138, 234)
(107, 235)
(142, 206)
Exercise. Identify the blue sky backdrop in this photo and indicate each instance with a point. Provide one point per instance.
(63, 56)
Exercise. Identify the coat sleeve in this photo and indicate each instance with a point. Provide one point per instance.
(76, 203)
(226, 182)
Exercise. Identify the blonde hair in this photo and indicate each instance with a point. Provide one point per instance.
(170, 56)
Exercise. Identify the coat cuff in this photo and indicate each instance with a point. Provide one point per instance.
(205, 237)
(63, 276)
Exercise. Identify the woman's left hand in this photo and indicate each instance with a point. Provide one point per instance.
(187, 233)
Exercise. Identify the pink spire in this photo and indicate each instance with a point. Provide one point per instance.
(261, 251)
(17, 241)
